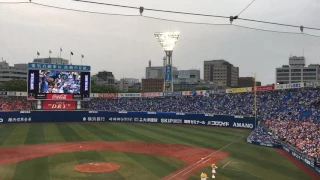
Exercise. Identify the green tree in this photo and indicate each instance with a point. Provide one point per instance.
(14, 85)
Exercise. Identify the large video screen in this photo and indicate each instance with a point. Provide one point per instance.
(65, 82)
(51, 84)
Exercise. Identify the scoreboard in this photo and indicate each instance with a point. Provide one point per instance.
(58, 82)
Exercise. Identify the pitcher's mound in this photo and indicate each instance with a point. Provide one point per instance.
(97, 167)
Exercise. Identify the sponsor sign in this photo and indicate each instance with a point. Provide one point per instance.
(217, 91)
(289, 86)
(243, 125)
(172, 93)
(218, 123)
(168, 75)
(312, 84)
(264, 88)
(171, 121)
(58, 105)
(108, 95)
(300, 156)
(3, 93)
(58, 96)
(239, 90)
(152, 94)
(1, 120)
(58, 67)
(129, 94)
(186, 93)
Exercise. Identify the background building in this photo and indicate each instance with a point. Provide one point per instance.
(126, 84)
(152, 85)
(15, 72)
(296, 71)
(188, 80)
(247, 82)
(104, 78)
(156, 72)
(221, 73)
(51, 60)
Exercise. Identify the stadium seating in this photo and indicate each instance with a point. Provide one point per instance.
(291, 115)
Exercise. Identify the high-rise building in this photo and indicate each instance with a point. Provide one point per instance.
(221, 73)
(15, 72)
(297, 72)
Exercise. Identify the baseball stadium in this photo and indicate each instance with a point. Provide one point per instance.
(60, 121)
(164, 135)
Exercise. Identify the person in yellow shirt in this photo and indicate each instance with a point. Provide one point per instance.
(214, 167)
(203, 176)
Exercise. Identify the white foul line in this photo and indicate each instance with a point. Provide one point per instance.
(204, 158)
(226, 164)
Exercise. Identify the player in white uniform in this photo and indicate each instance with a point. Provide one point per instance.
(214, 167)
(203, 176)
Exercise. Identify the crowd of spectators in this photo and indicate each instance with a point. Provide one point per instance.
(291, 115)
(15, 104)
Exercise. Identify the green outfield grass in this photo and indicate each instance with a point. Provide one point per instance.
(245, 161)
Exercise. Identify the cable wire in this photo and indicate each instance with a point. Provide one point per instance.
(196, 14)
(272, 31)
(14, 2)
(76, 10)
(246, 7)
(170, 20)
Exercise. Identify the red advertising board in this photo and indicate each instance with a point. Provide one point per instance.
(152, 94)
(59, 96)
(58, 105)
(108, 95)
(264, 88)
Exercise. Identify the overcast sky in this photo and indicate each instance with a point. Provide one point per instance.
(124, 45)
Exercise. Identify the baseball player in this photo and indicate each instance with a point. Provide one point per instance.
(214, 167)
(203, 176)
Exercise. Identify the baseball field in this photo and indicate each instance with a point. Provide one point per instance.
(136, 151)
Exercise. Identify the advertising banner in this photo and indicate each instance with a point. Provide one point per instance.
(299, 156)
(239, 90)
(172, 93)
(124, 95)
(264, 88)
(58, 67)
(58, 105)
(152, 94)
(58, 96)
(217, 91)
(186, 93)
(289, 86)
(3, 93)
(312, 84)
(108, 95)
(168, 75)
(154, 117)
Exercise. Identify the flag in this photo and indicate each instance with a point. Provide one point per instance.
(71, 53)
(60, 49)
(82, 55)
(50, 51)
(38, 53)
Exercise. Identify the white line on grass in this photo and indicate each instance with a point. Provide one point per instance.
(204, 158)
(226, 164)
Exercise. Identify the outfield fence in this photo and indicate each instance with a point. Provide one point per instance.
(123, 116)
(293, 151)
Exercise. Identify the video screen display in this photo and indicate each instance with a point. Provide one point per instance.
(48, 84)
(60, 82)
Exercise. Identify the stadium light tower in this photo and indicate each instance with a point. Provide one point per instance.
(167, 40)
